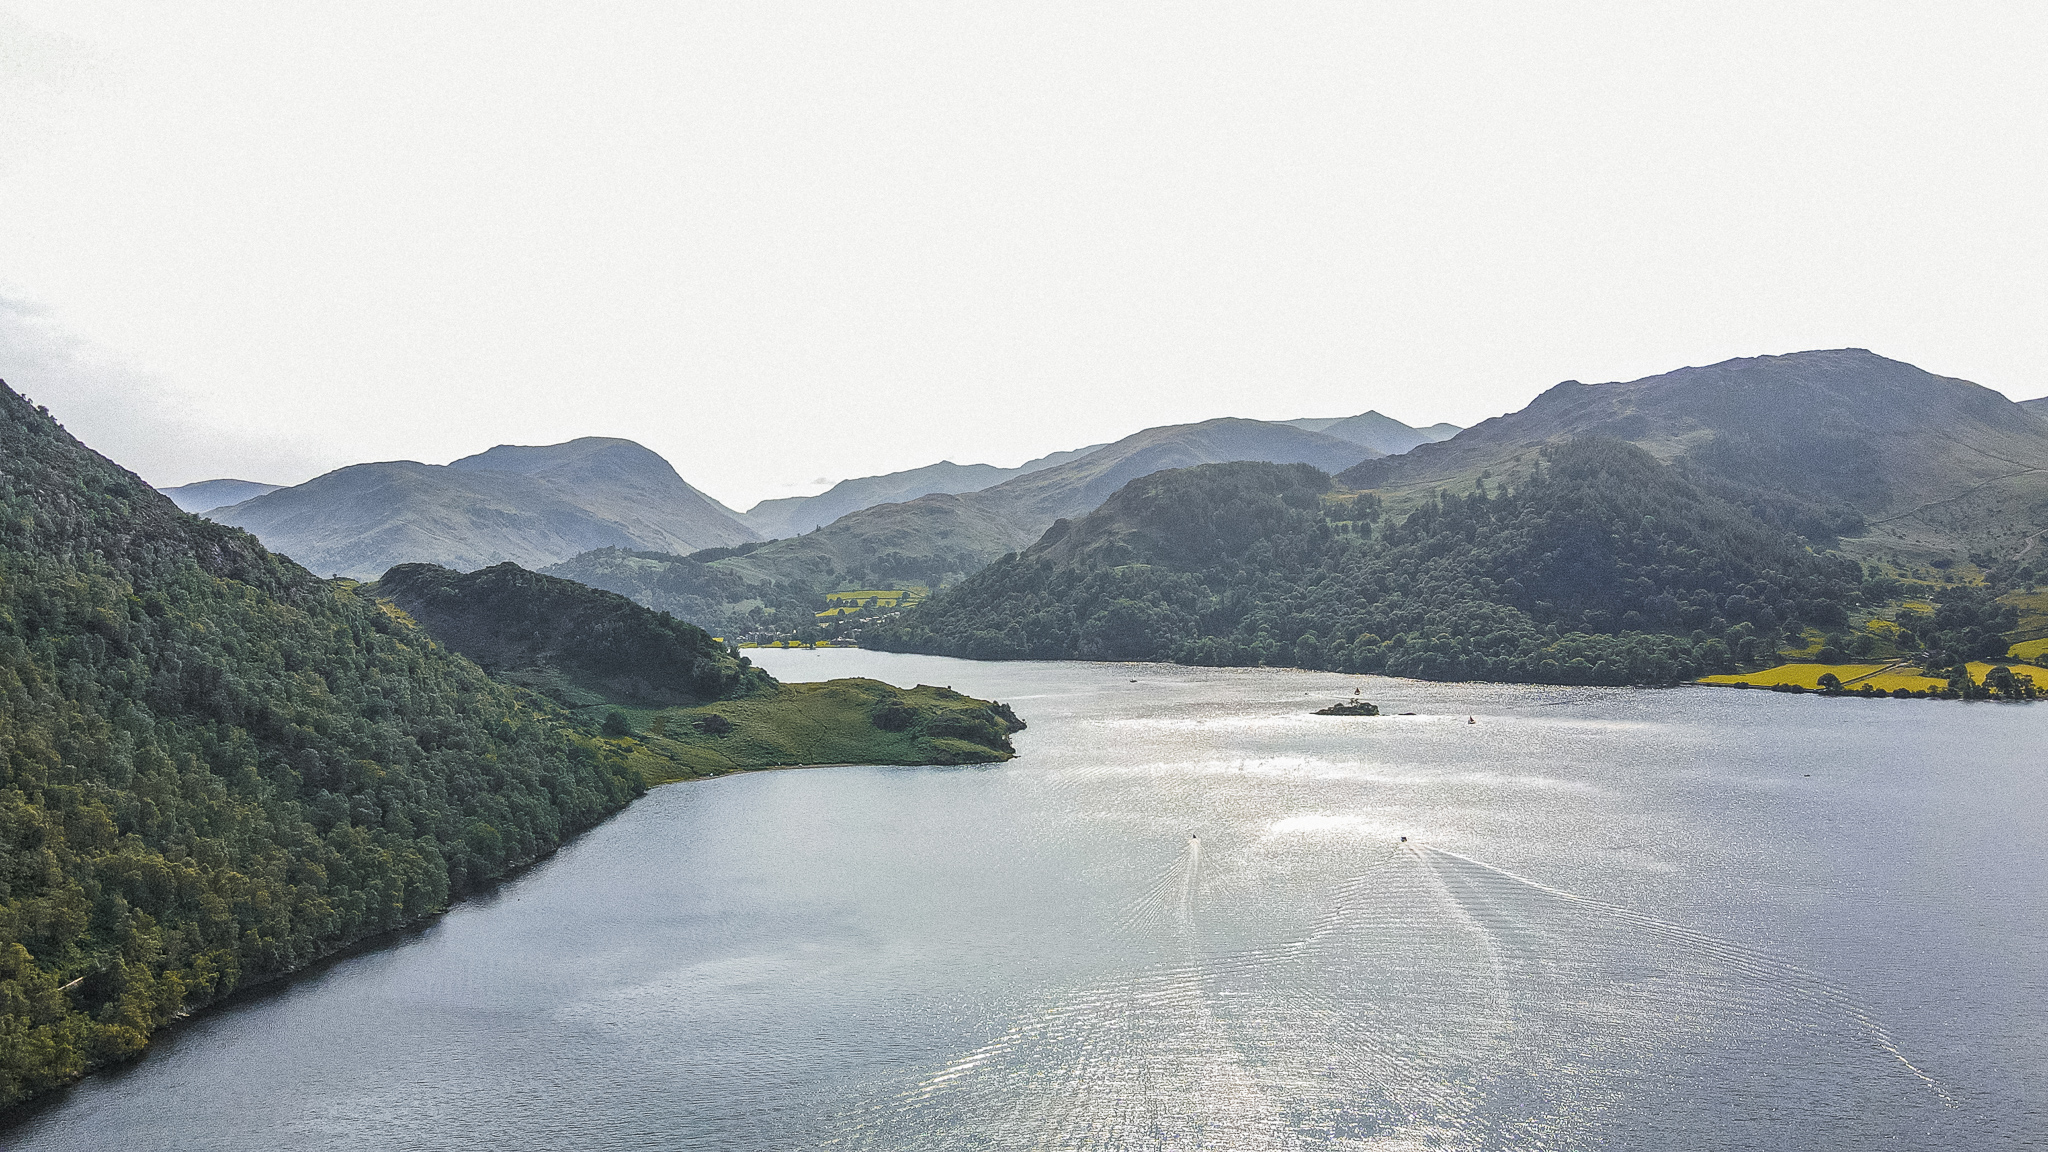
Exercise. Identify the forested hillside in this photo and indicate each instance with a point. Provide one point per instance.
(526, 625)
(691, 588)
(215, 768)
(1601, 566)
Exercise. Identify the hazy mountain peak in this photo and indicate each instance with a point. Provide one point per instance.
(532, 458)
(206, 495)
(530, 504)
(1376, 430)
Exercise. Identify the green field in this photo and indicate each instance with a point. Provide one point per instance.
(837, 722)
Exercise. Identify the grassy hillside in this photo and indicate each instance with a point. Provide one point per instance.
(1603, 567)
(215, 768)
(847, 721)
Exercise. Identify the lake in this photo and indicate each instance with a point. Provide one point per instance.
(1186, 916)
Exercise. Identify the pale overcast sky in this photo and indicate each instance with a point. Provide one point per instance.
(778, 243)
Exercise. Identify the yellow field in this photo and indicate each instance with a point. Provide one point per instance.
(1852, 676)
(2029, 650)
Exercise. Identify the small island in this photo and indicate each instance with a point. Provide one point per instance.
(1350, 708)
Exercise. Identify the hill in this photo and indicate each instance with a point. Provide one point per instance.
(1603, 567)
(653, 681)
(2037, 406)
(1895, 462)
(795, 515)
(1382, 434)
(207, 495)
(941, 538)
(579, 644)
(528, 505)
(219, 768)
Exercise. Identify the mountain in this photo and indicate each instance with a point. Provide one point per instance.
(207, 495)
(2037, 406)
(220, 768)
(1603, 567)
(940, 538)
(1892, 460)
(1382, 434)
(528, 505)
(795, 515)
(694, 588)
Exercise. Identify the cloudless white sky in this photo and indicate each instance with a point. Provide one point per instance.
(781, 243)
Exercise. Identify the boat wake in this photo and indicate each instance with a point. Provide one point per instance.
(1439, 1002)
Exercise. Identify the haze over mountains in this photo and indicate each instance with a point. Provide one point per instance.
(530, 505)
(795, 515)
(537, 506)
(207, 495)
(1382, 434)
(945, 536)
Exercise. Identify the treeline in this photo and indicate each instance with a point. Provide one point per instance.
(1602, 566)
(215, 768)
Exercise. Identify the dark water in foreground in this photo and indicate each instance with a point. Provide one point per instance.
(1622, 919)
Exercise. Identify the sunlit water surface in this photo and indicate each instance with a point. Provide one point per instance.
(1185, 917)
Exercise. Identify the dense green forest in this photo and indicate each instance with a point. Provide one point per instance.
(215, 768)
(582, 645)
(1599, 566)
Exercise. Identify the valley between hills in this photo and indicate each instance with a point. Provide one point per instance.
(250, 728)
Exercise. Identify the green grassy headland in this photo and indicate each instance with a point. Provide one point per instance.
(849, 721)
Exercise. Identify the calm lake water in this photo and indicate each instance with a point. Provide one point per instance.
(1184, 917)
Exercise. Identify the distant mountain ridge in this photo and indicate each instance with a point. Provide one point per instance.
(206, 495)
(795, 515)
(1382, 434)
(943, 537)
(531, 505)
